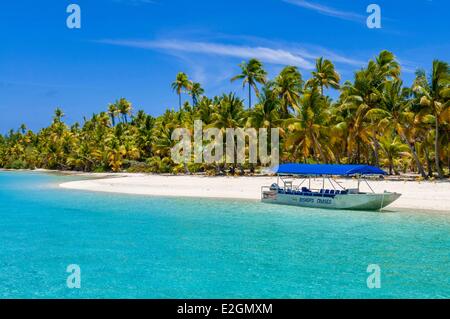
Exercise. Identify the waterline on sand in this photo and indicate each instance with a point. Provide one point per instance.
(415, 195)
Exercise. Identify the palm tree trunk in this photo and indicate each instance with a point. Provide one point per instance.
(179, 100)
(414, 154)
(437, 149)
(241, 169)
(350, 157)
(217, 166)
(235, 158)
(249, 96)
(186, 169)
(358, 153)
(376, 147)
(430, 167)
(322, 155)
(448, 154)
(390, 166)
(375, 152)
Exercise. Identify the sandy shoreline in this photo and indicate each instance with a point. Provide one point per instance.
(415, 195)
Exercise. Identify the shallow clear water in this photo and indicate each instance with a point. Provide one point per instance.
(146, 247)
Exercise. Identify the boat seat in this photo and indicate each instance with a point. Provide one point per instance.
(345, 192)
(337, 192)
(322, 191)
(305, 189)
(327, 191)
(332, 192)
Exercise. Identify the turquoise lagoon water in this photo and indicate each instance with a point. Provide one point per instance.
(149, 247)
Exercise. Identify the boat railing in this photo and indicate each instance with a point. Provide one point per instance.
(267, 191)
(304, 191)
(289, 189)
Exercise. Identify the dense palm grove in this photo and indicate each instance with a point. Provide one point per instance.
(376, 120)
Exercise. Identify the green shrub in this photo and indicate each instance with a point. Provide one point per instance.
(18, 164)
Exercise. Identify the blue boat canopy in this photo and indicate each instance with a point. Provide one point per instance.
(328, 169)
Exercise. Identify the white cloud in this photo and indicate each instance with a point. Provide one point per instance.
(313, 52)
(265, 54)
(325, 10)
(301, 55)
(212, 62)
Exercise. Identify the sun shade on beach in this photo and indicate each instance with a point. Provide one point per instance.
(328, 169)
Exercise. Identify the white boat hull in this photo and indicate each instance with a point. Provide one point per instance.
(366, 201)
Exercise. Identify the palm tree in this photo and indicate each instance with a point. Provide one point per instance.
(324, 75)
(181, 82)
(434, 96)
(365, 94)
(229, 113)
(112, 111)
(205, 110)
(394, 112)
(124, 108)
(288, 86)
(144, 124)
(265, 114)
(425, 140)
(58, 115)
(387, 66)
(252, 73)
(196, 91)
(23, 128)
(162, 135)
(352, 111)
(307, 128)
(393, 149)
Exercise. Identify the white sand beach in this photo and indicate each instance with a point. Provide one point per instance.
(415, 195)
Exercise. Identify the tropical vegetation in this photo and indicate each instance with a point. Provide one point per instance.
(375, 119)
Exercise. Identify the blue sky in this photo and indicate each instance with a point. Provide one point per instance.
(134, 48)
